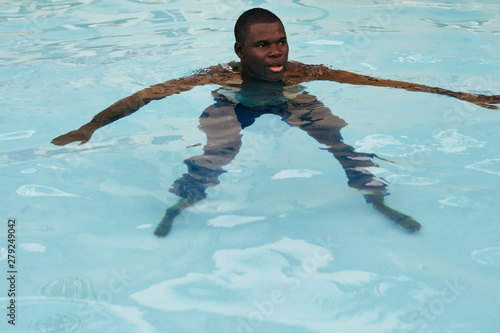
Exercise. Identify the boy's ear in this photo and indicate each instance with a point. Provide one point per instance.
(238, 48)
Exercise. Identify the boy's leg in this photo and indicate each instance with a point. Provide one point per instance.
(307, 113)
(223, 129)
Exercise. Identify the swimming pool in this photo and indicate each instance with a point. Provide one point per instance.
(282, 244)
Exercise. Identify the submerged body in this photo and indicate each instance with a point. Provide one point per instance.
(237, 108)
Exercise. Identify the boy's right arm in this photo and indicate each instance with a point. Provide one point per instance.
(119, 109)
(132, 103)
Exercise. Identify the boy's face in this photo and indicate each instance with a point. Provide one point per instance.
(264, 53)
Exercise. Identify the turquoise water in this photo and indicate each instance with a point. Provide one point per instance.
(282, 244)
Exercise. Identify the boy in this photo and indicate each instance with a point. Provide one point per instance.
(263, 82)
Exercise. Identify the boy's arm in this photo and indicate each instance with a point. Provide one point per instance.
(132, 103)
(311, 72)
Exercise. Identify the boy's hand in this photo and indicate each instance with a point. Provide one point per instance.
(481, 100)
(83, 134)
(73, 136)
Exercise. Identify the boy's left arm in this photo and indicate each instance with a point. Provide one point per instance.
(319, 72)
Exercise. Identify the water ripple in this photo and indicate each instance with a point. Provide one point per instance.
(491, 166)
(453, 142)
(387, 145)
(229, 221)
(489, 256)
(17, 135)
(59, 314)
(31, 190)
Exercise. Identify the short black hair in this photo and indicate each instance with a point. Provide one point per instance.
(252, 16)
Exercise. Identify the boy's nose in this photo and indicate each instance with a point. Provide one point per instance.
(275, 51)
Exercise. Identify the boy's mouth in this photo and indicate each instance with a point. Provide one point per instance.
(276, 68)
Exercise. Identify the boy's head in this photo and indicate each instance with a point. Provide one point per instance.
(250, 17)
(261, 44)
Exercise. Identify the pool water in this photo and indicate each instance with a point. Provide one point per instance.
(282, 244)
